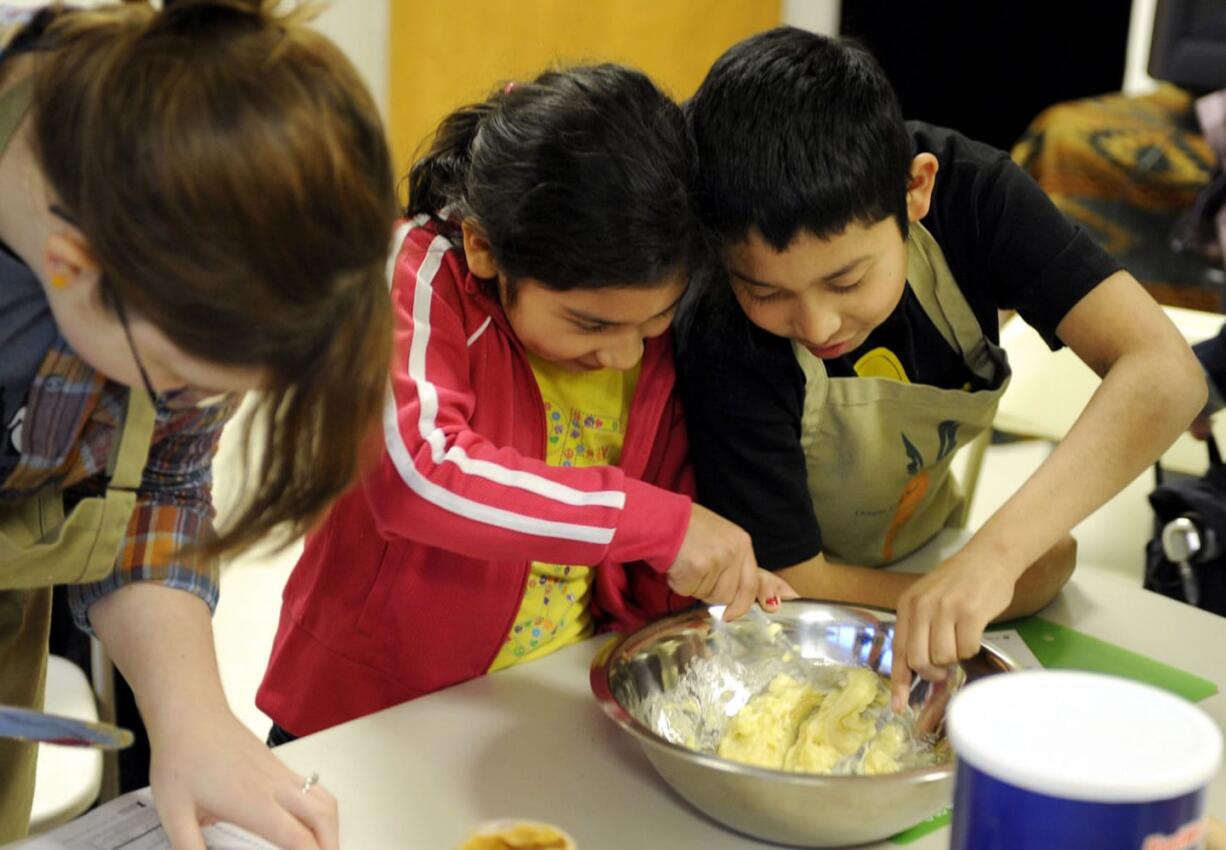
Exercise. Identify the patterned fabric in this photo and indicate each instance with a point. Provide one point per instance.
(72, 422)
(586, 414)
(1127, 168)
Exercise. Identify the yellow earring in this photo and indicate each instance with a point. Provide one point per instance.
(59, 281)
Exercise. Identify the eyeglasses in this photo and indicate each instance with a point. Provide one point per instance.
(176, 400)
(144, 375)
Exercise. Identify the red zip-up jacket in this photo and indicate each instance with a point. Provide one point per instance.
(412, 581)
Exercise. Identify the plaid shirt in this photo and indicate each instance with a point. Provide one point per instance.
(72, 422)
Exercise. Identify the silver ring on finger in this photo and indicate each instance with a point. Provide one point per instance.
(311, 782)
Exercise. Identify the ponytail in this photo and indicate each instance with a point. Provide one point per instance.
(437, 180)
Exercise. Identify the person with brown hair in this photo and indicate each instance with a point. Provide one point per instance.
(194, 203)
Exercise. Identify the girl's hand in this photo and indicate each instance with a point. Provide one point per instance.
(772, 590)
(716, 564)
(213, 768)
(941, 619)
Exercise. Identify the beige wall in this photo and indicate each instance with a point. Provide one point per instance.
(444, 54)
(359, 27)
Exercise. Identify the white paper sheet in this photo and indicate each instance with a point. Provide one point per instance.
(131, 823)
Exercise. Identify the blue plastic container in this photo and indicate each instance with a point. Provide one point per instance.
(1052, 759)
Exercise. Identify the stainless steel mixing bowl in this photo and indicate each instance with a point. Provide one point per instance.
(633, 674)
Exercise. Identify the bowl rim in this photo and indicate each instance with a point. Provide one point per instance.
(601, 690)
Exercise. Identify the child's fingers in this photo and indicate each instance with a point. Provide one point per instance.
(712, 586)
(926, 633)
(970, 637)
(932, 712)
(723, 591)
(917, 648)
(746, 591)
(900, 671)
(900, 686)
(942, 648)
(784, 590)
(772, 590)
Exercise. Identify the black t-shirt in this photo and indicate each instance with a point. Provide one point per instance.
(1007, 246)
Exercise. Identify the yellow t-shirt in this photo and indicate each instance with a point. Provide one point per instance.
(585, 425)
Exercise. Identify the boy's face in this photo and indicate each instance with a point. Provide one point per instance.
(827, 294)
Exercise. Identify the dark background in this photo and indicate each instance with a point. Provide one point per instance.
(987, 67)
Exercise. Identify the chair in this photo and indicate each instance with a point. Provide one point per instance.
(1131, 168)
(68, 779)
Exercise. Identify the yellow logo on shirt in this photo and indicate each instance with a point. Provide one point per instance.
(881, 363)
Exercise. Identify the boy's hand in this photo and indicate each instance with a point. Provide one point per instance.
(941, 619)
(716, 564)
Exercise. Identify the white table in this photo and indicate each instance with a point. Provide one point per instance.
(531, 742)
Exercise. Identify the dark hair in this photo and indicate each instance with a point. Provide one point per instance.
(579, 179)
(229, 170)
(796, 130)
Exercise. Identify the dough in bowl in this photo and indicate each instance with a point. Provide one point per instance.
(792, 726)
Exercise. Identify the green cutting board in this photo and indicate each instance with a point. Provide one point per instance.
(1061, 648)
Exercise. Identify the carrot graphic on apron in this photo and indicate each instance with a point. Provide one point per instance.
(916, 488)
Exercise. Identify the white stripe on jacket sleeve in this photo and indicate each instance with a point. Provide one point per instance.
(435, 438)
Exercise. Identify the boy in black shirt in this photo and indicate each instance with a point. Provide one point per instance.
(869, 258)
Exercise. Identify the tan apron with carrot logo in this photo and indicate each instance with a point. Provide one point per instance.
(878, 449)
(40, 547)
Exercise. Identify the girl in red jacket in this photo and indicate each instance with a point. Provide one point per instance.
(533, 482)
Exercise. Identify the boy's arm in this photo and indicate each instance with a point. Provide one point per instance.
(817, 578)
(1152, 387)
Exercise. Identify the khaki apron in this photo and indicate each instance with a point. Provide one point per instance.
(877, 450)
(40, 547)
